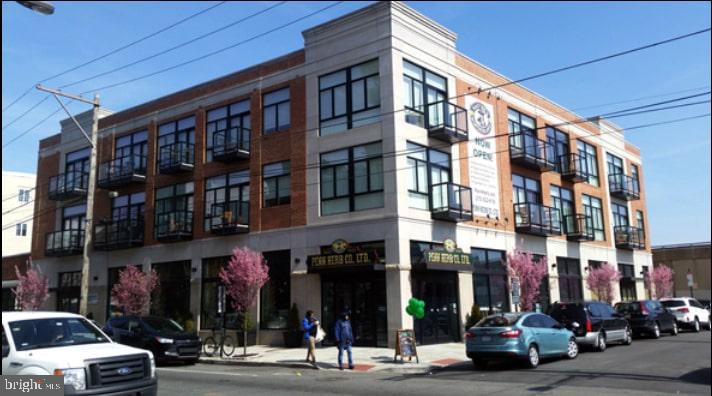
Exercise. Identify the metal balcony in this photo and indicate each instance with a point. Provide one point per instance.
(68, 185)
(451, 202)
(64, 243)
(118, 234)
(623, 187)
(537, 219)
(231, 144)
(527, 150)
(579, 228)
(573, 167)
(230, 218)
(122, 171)
(628, 237)
(176, 158)
(174, 226)
(447, 122)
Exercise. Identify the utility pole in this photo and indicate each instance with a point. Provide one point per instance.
(88, 230)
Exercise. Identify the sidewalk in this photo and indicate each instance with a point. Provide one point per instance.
(366, 359)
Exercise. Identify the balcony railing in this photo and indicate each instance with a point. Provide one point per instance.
(451, 202)
(230, 218)
(537, 219)
(174, 226)
(578, 228)
(527, 150)
(624, 187)
(447, 122)
(68, 185)
(628, 237)
(231, 144)
(64, 243)
(176, 157)
(118, 234)
(122, 171)
(573, 167)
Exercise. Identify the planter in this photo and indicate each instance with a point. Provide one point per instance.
(251, 338)
(292, 338)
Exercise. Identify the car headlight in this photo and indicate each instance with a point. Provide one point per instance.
(164, 340)
(75, 377)
(153, 367)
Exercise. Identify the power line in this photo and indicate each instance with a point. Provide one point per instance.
(660, 103)
(640, 98)
(78, 200)
(183, 44)
(25, 113)
(114, 51)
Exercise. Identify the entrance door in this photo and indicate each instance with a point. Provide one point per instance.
(439, 291)
(365, 298)
(171, 299)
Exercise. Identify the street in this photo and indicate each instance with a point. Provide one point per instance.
(669, 365)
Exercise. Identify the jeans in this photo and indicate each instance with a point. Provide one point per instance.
(347, 347)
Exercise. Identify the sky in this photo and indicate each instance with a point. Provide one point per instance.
(517, 39)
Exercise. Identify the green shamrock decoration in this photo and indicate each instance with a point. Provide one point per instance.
(416, 308)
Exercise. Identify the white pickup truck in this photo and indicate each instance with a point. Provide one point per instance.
(60, 343)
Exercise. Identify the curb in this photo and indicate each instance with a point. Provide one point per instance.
(395, 370)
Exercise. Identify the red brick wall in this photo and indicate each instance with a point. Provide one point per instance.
(10, 262)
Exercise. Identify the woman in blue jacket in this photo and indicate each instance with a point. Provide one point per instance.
(344, 336)
(310, 325)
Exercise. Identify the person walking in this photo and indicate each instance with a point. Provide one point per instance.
(310, 325)
(344, 336)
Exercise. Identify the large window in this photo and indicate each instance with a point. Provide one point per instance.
(275, 111)
(490, 280)
(132, 149)
(525, 190)
(232, 124)
(274, 295)
(560, 142)
(276, 184)
(563, 200)
(615, 164)
(426, 167)
(640, 221)
(349, 98)
(176, 141)
(422, 88)
(570, 282)
(352, 179)
(76, 169)
(128, 207)
(233, 189)
(174, 209)
(588, 153)
(74, 217)
(520, 123)
(620, 215)
(592, 209)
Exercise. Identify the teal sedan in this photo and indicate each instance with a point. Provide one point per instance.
(526, 336)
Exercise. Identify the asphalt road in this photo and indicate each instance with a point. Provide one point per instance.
(669, 365)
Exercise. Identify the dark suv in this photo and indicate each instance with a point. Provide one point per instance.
(164, 337)
(648, 317)
(594, 323)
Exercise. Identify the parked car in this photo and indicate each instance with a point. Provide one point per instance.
(595, 323)
(521, 336)
(61, 343)
(168, 341)
(648, 317)
(688, 311)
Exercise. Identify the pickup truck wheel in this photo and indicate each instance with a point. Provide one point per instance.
(601, 342)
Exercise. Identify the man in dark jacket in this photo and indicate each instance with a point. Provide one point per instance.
(344, 338)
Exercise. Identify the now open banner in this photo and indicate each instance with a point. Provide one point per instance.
(482, 152)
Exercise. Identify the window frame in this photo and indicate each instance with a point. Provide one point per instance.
(615, 165)
(557, 139)
(176, 202)
(561, 202)
(430, 166)
(621, 217)
(134, 147)
(21, 229)
(227, 194)
(589, 154)
(279, 200)
(229, 119)
(134, 209)
(185, 135)
(276, 106)
(487, 270)
(425, 88)
(594, 214)
(349, 84)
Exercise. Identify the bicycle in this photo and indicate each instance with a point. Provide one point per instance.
(226, 346)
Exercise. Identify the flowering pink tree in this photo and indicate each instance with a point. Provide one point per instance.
(33, 288)
(530, 272)
(600, 281)
(133, 291)
(243, 277)
(662, 279)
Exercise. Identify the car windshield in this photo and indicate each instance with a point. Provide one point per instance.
(629, 307)
(501, 320)
(673, 303)
(54, 332)
(162, 325)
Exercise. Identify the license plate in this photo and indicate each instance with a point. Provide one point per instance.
(486, 338)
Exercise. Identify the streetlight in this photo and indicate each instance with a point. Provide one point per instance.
(42, 7)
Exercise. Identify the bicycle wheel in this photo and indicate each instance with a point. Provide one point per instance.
(228, 346)
(210, 346)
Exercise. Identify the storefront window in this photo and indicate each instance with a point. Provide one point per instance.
(569, 270)
(490, 280)
(627, 282)
(209, 317)
(274, 296)
(68, 291)
(171, 298)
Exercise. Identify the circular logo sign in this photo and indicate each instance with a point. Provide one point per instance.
(339, 246)
(481, 118)
(449, 245)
